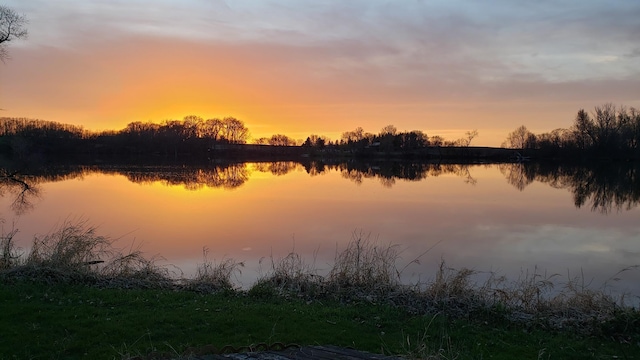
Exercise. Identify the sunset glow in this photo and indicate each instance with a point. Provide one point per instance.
(301, 68)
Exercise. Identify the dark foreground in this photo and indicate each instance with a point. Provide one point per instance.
(301, 353)
(54, 321)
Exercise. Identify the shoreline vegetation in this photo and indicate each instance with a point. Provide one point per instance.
(608, 132)
(74, 261)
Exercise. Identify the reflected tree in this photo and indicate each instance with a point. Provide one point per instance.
(277, 168)
(516, 174)
(604, 187)
(387, 182)
(389, 172)
(282, 167)
(23, 190)
(228, 176)
(315, 168)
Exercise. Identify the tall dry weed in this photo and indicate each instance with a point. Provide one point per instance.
(134, 270)
(9, 253)
(365, 265)
(211, 276)
(290, 275)
(73, 245)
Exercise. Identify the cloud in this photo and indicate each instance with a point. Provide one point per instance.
(463, 57)
(635, 53)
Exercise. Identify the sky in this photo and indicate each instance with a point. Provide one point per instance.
(324, 67)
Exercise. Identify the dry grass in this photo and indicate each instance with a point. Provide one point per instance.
(289, 276)
(212, 277)
(133, 270)
(73, 245)
(366, 266)
(9, 254)
(363, 271)
(74, 252)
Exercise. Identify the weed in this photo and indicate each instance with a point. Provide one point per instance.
(364, 272)
(133, 270)
(289, 275)
(73, 246)
(212, 277)
(9, 254)
(364, 268)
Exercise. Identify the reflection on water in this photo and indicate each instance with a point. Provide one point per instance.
(23, 190)
(602, 186)
(504, 217)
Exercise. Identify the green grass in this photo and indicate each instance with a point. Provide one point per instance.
(73, 296)
(66, 321)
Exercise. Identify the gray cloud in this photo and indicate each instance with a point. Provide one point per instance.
(369, 51)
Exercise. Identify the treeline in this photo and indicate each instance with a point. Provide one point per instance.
(609, 131)
(197, 138)
(390, 140)
(190, 136)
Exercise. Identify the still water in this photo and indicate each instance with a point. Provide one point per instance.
(504, 218)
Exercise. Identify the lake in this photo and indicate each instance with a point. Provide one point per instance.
(504, 218)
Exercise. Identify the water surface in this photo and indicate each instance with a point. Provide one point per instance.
(507, 218)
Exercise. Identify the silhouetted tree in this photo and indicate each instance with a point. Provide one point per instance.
(212, 128)
(413, 140)
(281, 140)
(353, 136)
(436, 140)
(234, 131)
(193, 127)
(12, 26)
(388, 130)
(469, 136)
(261, 141)
(519, 138)
(315, 141)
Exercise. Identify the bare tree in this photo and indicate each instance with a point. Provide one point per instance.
(12, 26)
(212, 128)
(470, 136)
(436, 140)
(234, 130)
(281, 140)
(389, 129)
(518, 138)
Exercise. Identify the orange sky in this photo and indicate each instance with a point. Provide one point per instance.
(293, 68)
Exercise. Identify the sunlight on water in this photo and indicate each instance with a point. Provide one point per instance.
(482, 217)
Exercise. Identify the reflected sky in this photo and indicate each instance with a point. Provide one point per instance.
(486, 225)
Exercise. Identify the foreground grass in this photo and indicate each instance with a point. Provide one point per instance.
(74, 296)
(64, 321)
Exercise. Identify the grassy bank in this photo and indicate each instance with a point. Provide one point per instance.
(63, 321)
(73, 296)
